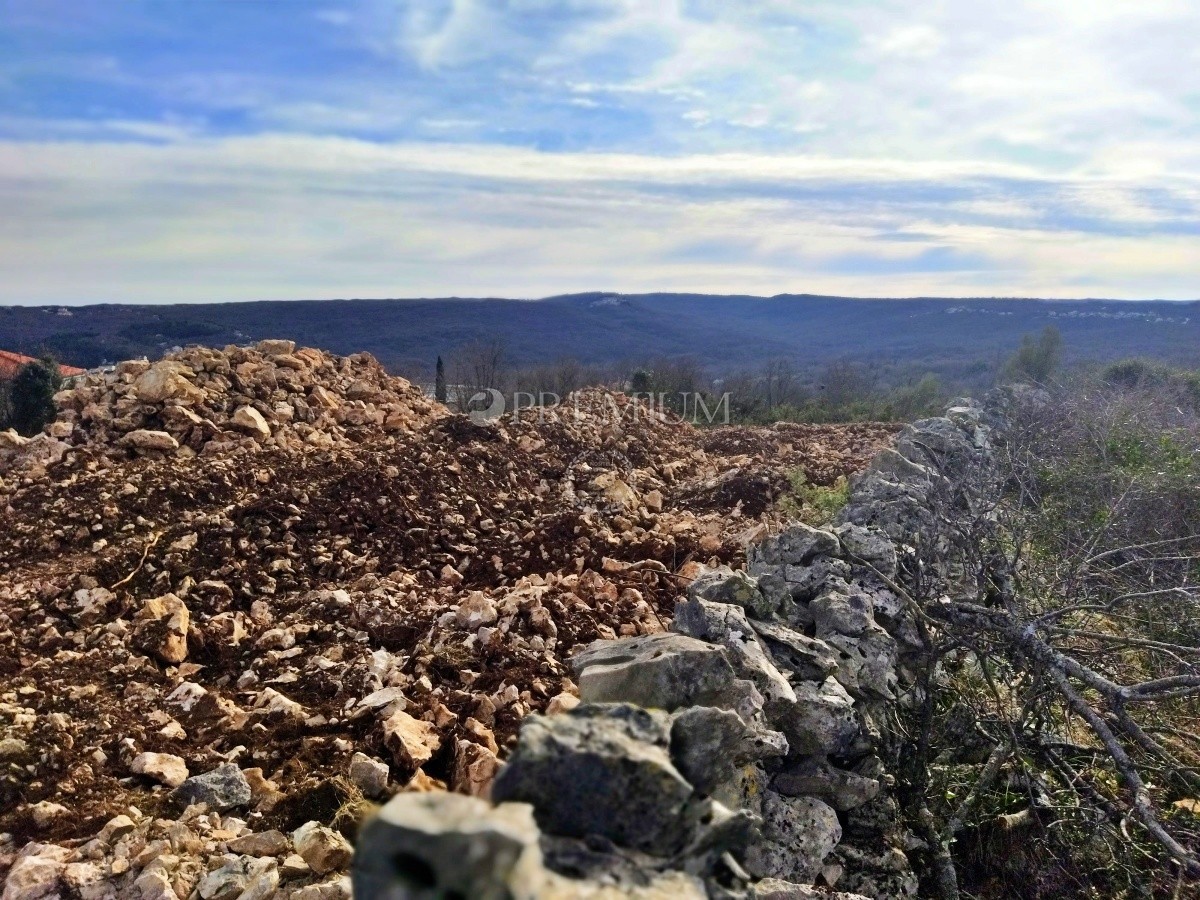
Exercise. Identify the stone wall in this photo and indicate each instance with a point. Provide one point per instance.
(742, 754)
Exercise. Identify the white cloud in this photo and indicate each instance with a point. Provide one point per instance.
(287, 216)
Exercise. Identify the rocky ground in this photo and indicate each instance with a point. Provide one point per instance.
(281, 583)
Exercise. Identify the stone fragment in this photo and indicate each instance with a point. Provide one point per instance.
(475, 768)
(561, 703)
(369, 775)
(161, 627)
(411, 741)
(225, 787)
(260, 843)
(324, 849)
(164, 768)
(602, 770)
(45, 813)
(252, 422)
(144, 440)
(476, 610)
(35, 873)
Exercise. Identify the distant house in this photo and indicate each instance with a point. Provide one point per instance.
(11, 363)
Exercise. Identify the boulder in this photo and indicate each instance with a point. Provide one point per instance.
(822, 721)
(225, 787)
(727, 625)
(657, 671)
(724, 585)
(600, 770)
(709, 746)
(797, 834)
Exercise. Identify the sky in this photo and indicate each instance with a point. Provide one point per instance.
(206, 150)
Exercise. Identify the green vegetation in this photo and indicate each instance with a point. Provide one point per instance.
(30, 400)
(1037, 359)
(814, 504)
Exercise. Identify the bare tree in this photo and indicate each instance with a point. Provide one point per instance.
(1059, 681)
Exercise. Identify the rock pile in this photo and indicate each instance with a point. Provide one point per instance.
(202, 400)
(336, 625)
(741, 754)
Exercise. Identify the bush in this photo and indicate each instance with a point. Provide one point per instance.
(1037, 358)
(814, 504)
(32, 396)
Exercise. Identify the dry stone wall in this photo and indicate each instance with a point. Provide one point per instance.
(742, 754)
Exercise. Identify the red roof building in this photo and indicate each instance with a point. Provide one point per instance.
(11, 363)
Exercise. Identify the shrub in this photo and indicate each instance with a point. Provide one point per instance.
(32, 396)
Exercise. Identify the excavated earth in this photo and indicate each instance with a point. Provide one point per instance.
(414, 560)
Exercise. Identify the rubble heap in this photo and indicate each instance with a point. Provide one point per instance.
(202, 400)
(212, 661)
(742, 754)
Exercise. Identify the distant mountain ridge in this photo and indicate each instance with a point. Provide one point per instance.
(723, 332)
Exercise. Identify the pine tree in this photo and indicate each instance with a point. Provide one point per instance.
(32, 398)
(439, 386)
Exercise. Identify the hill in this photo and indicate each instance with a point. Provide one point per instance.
(954, 338)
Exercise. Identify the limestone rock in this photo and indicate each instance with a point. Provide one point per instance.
(161, 628)
(322, 848)
(822, 721)
(657, 671)
(815, 777)
(412, 742)
(724, 585)
(808, 659)
(599, 769)
(797, 834)
(251, 421)
(145, 440)
(369, 775)
(164, 768)
(726, 624)
(475, 768)
(448, 845)
(709, 745)
(261, 843)
(225, 787)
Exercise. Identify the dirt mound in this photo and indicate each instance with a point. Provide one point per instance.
(402, 593)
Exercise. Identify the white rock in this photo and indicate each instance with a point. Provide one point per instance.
(322, 848)
(164, 768)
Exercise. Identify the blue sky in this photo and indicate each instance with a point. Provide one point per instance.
(239, 149)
